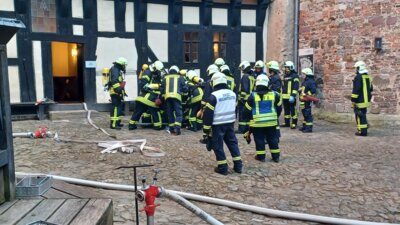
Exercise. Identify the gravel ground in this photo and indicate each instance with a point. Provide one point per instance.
(330, 172)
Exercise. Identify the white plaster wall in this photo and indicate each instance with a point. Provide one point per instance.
(248, 17)
(190, 15)
(12, 48)
(158, 42)
(129, 17)
(157, 13)
(77, 30)
(13, 80)
(265, 35)
(248, 46)
(105, 15)
(77, 9)
(108, 50)
(38, 70)
(7, 5)
(220, 16)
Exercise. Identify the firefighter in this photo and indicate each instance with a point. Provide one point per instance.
(259, 68)
(116, 86)
(195, 94)
(275, 82)
(219, 62)
(361, 97)
(263, 107)
(245, 89)
(308, 88)
(146, 117)
(289, 92)
(219, 119)
(185, 97)
(207, 89)
(229, 77)
(149, 86)
(172, 87)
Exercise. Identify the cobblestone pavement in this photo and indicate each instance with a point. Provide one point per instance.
(329, 172)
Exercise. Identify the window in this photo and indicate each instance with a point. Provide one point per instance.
(249, 2)
(191, 47)
(43, 15)
(220, 41)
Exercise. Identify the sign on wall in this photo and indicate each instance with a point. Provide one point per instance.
(306, 58)
(90, 64)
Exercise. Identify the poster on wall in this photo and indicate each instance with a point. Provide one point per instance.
(306, 58)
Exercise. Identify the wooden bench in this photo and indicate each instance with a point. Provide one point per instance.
(29, 108)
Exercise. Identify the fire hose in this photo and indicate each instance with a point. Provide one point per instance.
(221, 202)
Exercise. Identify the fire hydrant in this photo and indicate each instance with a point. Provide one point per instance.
(149, 195)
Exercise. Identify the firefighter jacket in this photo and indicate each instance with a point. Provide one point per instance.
(231, 83)
(173, 86)
(308, 87)
(206, 93)
(246, 86)
(149, 87)
(256, 74)
(362, 90)
(290, 85)
(116, 79)
(220, 108)
(263, 108)
(275, 83)
(195, 93)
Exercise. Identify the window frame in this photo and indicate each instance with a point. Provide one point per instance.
(220, 42)
(191, 42)
(31, 17)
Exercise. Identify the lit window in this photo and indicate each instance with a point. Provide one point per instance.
(191, 47)
(219, 47)
(43, 15)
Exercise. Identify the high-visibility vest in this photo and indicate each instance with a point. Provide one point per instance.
(172, 87)
(224, 111)
(264, 112)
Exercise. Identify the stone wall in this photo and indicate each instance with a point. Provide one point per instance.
(344, 31)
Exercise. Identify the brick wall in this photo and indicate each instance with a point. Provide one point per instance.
(342, 32)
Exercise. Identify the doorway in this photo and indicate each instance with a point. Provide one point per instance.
(67, 70)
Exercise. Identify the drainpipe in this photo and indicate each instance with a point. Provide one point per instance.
(296, 34)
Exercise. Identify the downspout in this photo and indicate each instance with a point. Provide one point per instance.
(296, 34)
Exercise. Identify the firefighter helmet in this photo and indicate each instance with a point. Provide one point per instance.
(273, 65)
(262, 80)
(173, 70)
(212, 69)
(225, 69)
(307, 72)
(218, 78)
(244, 65)
(289, 65)
(191, 74)
(122, 61)
(259, 64)
(361, 67)
(156, 66)
(219, 62)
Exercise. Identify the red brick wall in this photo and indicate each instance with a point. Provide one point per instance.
(342, 32)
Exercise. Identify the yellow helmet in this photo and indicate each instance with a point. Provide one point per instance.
(145, 66)
(307, 72)
(183, 72)
(122, 61)
(273, 65)
(105, 70)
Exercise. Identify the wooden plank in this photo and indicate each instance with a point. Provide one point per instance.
(18, 210)
(75, 190)
(67, 211)
(6, 205)
(53, 193)
(41, 212)
(95, 212)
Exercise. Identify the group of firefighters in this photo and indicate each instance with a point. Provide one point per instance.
(183, 98)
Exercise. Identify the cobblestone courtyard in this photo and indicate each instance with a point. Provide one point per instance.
(329, 172)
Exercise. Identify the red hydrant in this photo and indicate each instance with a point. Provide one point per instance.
(149, 195)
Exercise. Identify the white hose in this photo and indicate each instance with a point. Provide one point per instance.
(190, 206)
(216, 201)
(25, 135)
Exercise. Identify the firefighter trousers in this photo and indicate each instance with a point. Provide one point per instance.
(225, 133)
(307, 114)
(116, 110)
(263, 135)
(141, 108)
(195, 123)
(174, 112)
(290, 112)
(361, 120)
(243, 121)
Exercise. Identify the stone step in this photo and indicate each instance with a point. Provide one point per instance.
(70, 114)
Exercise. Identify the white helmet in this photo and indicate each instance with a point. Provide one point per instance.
(173, 70)
(262, 80)
(191, 74)
(274, 65)
(307, 72)
(219, 62)
(157, 66)
(212, 69)
(289, 64)
(243, 65)
(224, 68)
(361, 67)
(218, 78)
(259, 64)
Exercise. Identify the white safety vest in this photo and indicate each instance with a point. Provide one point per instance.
(224, 111)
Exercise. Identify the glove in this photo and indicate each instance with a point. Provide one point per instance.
(291, 99)
(247, 137)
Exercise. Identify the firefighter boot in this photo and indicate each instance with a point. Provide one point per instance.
(238, 166)
(287, 123)
(132, 127)
(260, 158)
(302, 127)
(275, 157)
(307, 129)
(177, 131)
(222, 169)
(294, 124)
